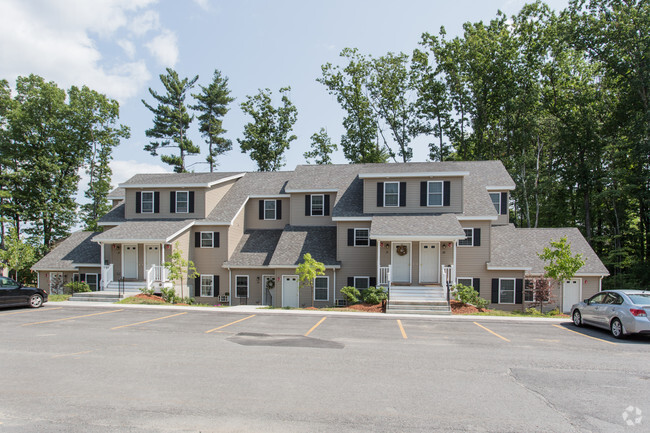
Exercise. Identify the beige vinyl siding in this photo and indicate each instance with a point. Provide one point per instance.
(44, 278)
(413, 196)
(183, 240)
(306, 293)
(235, 232)
(297, 214)
(214, 195)
(472, 261)
(253, 220)
(589, 286)
(209, 261)
(486, 288)
(355, 261)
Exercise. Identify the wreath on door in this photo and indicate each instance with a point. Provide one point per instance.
(270, 284)
(402, 250)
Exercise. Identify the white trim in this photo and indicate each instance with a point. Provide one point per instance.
(416, 174)
(407, 238)
(247, 286)
(508, 268)
(355, 281)
(355, 237)
(137, 261)
(328, 288)
(351, 218)
(211, 285)
(472, 237)
(514, 291)
(311, 204)
(580, 274)
(392, 262)
(384, 196)
(201, 240)
(87, 265)
(311, 190)
(97, 287)
(275, 210)
(153, 201)
(270, 196)
(477, 218)
(580, 298)
(144, 248)
(100, 223)
(176, 201)
(437, 267)
(232, 221)
(442, 193)
(506, 188)
(172, 236)
(180, 185)
(211, 223)
(465, 278)
(272, 267)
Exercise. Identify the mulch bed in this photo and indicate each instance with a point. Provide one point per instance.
(149, 297)
(367, 308)
(458, 307)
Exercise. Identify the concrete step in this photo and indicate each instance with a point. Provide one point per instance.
(422, 304)
(412, 311)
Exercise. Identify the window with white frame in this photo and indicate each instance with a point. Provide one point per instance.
(241, 286)
(469, 238)
(321, 288)
(506, 290)
(207, 285)
(465, 281)
(317, 205)
(496, 201)
(207, 239)
(146, 202)
(182, 201)
(270, 209)
(92, 280)
(434, 193)
(361, 237)
(391, 194)
(361, 283)
(529, 291)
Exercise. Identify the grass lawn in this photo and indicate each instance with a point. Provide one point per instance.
(58, 298)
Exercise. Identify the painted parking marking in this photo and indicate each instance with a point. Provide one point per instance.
(72, 354)
(315, 326)
(492, 332)
(33, 310)
(401, 328)
(585, 335)
(71, 318)
(147, 321)
(228, 324)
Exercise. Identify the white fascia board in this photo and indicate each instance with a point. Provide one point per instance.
(227, 266)
(508, 268)
(226, 179)
(211, 223)
(590, 274)
(181, 185)
(500, 188)
(172, 236)
(415, 238)
(424, 174)
(109, 223)
(130, 241)
(86, 265)
(270, 196)
(477, 218)
(351, 218)
(315, 190)
(54, 270)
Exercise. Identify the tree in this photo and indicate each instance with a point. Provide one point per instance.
(268, 136)
(179, 267)
(560, 264)
(542, 292)
(17, 254)
(172, 120)
(307, 272)
(212, 103)
(321, 148)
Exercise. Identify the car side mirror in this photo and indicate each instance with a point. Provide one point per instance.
(586, 301)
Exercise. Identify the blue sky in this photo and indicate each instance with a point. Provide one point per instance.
(119, 47)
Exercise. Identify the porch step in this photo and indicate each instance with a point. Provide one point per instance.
(418, 300)
(127, 285)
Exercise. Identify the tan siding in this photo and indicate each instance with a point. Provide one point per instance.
(590, 286)
(253, 220)
(184, 244)
(298, 217)
(355, 261)
(214, 195)
(486, 288)
(235, 232)
(471, 261)
(209, 261)
(413, 196)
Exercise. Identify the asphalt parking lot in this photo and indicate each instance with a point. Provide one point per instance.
(118, 369)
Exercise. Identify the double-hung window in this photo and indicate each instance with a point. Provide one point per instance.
(506, 291)
(182, 201)
(147, 202)
(434, 193)
(207, 286)
(361, 283)
(361, 237)
(321, 288)
(91, 280)
(241, 286)
(469, 238)
(465, 281)
(207, 239)
(270, 209)
(391, 194)
(317, 205)
(496, 201)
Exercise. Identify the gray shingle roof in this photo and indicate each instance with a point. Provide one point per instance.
(117, 194)
(415, 225)
(143, 231)
(295, 241)
(518, 247)
(115, 215)
(255, 248)
(76, 248)
(163, 179)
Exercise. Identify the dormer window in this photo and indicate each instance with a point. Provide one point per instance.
(435, 195)
(147, 202)
(391, 194)
(182, 201)
(496, 201)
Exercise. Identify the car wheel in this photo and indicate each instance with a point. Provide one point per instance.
(617, 328)
(35, 301)
(577, 318)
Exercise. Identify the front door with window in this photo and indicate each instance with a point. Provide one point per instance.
(401, 262)
(570, 294)
(290, 291)
(130, 257)
(429, 262)
(268, 286)
(151, 256)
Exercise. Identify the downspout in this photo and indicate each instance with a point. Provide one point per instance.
(230, 286)
(334, 289)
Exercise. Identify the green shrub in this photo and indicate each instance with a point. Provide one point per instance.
(373, 295)
(169, 295)
(467, 295)
(186, 300)
(146, 291)
(77, 287)
(351, 294)
(554, 312)
(533, 311)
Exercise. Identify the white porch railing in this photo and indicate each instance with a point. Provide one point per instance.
(384, 276)
(156, 273)
(448, 273)
(107, 275)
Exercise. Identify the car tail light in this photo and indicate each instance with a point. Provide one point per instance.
(638, 313)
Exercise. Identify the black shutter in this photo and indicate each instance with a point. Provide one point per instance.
(156, 202)
(215, 285)
(82, 277)
(446, 193)
(326, 211)
(197, 286)
(197, 240)
(350, 281)
(402, 194)
(278, 209)
(172, 201)
(504, 203)
(519, 290)
(477, 237)
(350, 237)
(191, 205)
(215, 240)
(261, 210)
(495, 290)
(308, 205)
(476, 282)
(373, 242)
(423, 193)
(380, 194)
(138, 202)
(373, 281)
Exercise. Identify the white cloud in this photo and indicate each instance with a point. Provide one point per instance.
(164, 48)
(203, 4)
(123, 170)
(127, 46)
(145, 22)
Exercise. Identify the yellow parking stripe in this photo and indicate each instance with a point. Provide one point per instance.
(585, 335)
(492, 332)
(73, 317)
(315, 326)
(401, 328)
(228, 324)
(30, 311)
(147, 321)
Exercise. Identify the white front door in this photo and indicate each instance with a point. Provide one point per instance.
(268, 289)
(151, 256)
(570, 294)
(401, 262)
(429, 262)
(130, 258)
(290, 295)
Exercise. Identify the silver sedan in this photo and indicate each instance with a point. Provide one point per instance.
(623, 312)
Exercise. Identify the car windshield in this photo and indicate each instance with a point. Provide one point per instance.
(640, 298)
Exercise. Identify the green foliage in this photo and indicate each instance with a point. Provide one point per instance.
(351, 294)
(467, 295)
(77, 287)
(308, 270)
(172, 120)
(57, 298)
(561, 265)
(17, 255)
(146, 291)
(169, 295)
(373, 295)
(134, 300)
(321, 148)
(179, 268)
(268, 137)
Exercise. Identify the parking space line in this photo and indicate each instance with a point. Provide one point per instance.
(73, 317)
(147, 321)
(492, 332)
(228, 324)
(585, 335)
(73, 354)
(401, 328)
(30, 311)
(315, 326)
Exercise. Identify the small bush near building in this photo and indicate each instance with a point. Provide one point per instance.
(373, 295)
(467, 295)
(77, 287)
(351, 294)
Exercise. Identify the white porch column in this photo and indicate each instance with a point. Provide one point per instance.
(334, 288)
(378, 262)
(102, 284)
